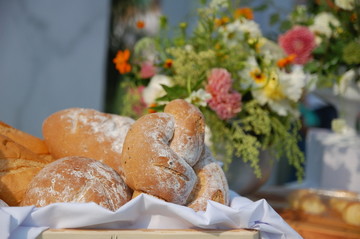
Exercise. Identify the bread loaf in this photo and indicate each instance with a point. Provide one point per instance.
(189, 133)
(150, 165)
(77, 179)
(211, 183)
(87, 133)
(18, 165)
(29, 141)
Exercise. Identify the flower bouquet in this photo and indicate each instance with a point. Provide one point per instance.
(246, 88)
(324, 37)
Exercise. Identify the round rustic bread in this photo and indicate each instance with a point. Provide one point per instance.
(87, 133)
(211, 183)
(77, 179)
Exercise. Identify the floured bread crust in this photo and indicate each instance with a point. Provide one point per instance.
(189, 134)
(211, 183)
(150, 165)
(88, 133)
(77, 179)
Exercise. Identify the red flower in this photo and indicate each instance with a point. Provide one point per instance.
(224, 101)
(299, 41)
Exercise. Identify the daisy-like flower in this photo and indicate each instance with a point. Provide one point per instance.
(121, 61)
(154, 90)
(299, 41)
(250, 73)
(199, 97)
(280, 90)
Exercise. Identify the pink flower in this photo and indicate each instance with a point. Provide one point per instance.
(224, 101)
(227, 105)
(147, 70)
(219, 81)
(299, 41)
(140, 106)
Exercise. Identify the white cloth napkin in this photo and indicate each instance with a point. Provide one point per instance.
(145, 212)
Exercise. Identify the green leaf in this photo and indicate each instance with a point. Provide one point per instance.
(274, 18)
(261, 7)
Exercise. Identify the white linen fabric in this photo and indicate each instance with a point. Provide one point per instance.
(145, 212)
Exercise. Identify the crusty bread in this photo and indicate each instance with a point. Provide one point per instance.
(351, 213)
(211, 183)
(88, 133)
(150, 165)
(189, 134)
(77, 179)
(18, 165)
(29, 141)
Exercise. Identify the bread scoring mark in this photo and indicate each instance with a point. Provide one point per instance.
(105, 127)
(173, 172)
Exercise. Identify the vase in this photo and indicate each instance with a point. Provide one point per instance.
(347, 105)
(241, 176)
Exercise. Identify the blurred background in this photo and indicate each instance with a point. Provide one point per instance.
(58, 54)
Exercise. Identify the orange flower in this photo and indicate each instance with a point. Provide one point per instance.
(221, 21)
(244, 12)
(121, 61)
(168, 63)
(140, 24)
(286, 60)
(150, 109)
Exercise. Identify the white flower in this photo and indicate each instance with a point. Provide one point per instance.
(293, 83)
(322, 23)
(280, 90)
(154, 90)
(251, 65)
(347, 86)
(235, 31)
(199, 97)
(340, 126)
(188, 47)
(345, 4)
(217, 4)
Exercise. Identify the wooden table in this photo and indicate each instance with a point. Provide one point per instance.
(149, 234)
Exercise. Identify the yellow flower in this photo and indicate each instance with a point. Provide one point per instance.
(273, 89)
